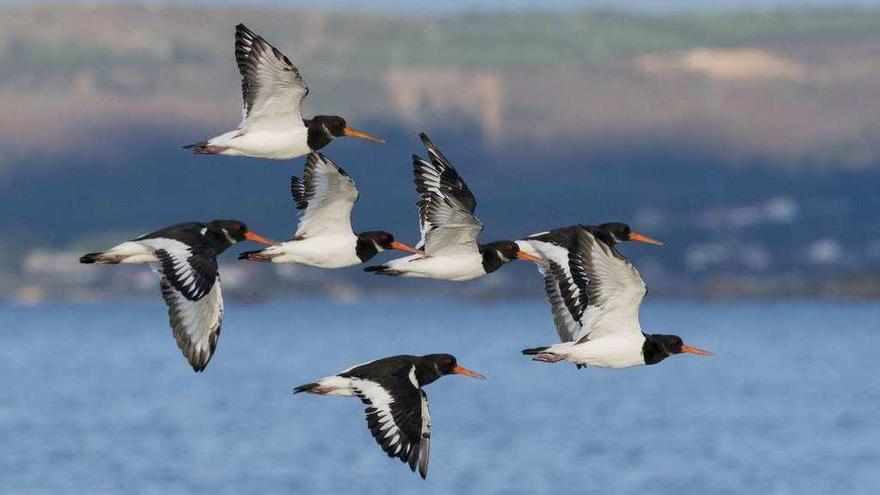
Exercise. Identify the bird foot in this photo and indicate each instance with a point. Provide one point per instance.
(548, 357)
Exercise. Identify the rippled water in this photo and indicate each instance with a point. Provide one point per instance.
(97, 399)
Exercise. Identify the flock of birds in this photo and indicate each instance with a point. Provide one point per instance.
(594, 292)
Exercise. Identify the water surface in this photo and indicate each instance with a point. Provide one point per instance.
(97, 399)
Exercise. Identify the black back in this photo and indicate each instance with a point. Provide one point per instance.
(218, 235)
(563, 236)
(384, 371)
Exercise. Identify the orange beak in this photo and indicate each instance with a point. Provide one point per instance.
(461, 370)
(258, 238)
(348, 131)
(635, 236)
(528, 257)
(404, 247)
(694, 350)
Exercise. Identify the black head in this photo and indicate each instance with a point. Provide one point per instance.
(228, 232)
(620, 232)
(335, 126)
(658, 347)
(231, 231)
(434, 366)
(495, 254)
(373, 242)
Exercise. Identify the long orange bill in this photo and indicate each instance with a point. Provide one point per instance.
(461, 370)
(404, 247)
(635, 236)
(694, 350)
(348, 131)
(528, 257)
(258, 238)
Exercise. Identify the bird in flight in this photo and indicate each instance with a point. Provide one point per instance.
(325, 196)
(595, 294)
(185, 256)
(272, 123)
(397, 407)
(449, 228)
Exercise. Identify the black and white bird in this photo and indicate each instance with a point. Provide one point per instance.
(185, 255)
(449, 228)
(595, 294)
(324, 197)
(557, 242)
(272, 124)
(397, 407)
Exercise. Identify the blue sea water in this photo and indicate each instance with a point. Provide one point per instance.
(95, 398)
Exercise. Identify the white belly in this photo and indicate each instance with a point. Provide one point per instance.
(337, 385)
(321, 251)
(272, 144)
(133, 252)
(457, 268)
(608, 352)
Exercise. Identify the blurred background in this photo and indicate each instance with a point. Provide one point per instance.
(741, 133)
(744, 138)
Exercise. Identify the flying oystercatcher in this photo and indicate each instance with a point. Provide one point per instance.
(324, 197)
(185, 255)
(397, 407)
(272, 124)
(563, 238)
(595, 301)
(449, 228)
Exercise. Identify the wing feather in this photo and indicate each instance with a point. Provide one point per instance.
(446, 205)
(324, 196)
(613, 286)
(272, 87)
(397, 416)
(563, 290)
(195, 323)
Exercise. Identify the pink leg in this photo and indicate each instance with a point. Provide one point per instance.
(548, 357)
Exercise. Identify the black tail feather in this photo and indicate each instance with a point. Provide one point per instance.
(204, 148)
(90, 258)
(200, 144)
(534, 350)
(304, 388)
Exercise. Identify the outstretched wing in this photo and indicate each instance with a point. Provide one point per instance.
(271, 86)
(324, 196)
(191, 289)
(613, 288)
(446, 205)
(565, 301)
(564, 290)
(397, 415)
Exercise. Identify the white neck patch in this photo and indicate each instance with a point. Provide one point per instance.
(228, 237)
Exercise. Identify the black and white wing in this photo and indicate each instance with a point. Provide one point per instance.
(271, 86)
(566, 291)
(566, 300)
(613, 288)
(398, 417)
(324, 196)
(446, 205)
(191, 289)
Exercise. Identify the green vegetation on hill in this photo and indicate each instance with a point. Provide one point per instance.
(368, 45)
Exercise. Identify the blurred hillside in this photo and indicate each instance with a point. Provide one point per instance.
(748, 142)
